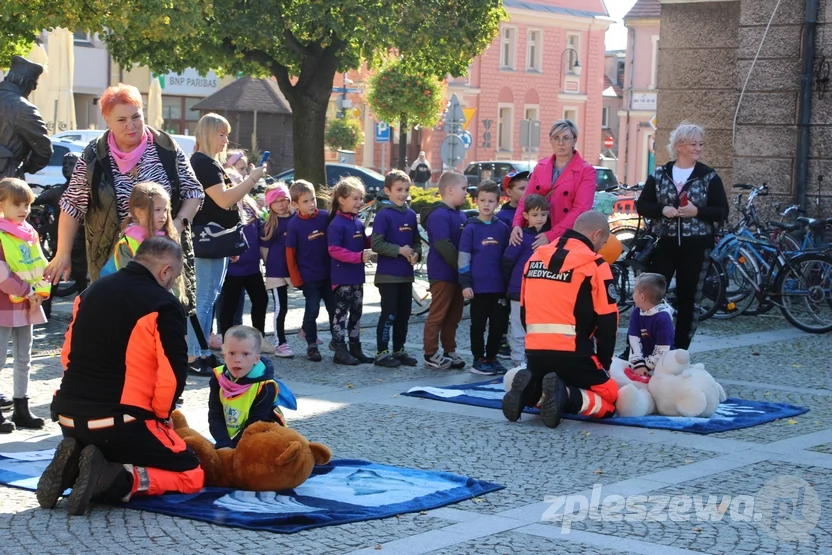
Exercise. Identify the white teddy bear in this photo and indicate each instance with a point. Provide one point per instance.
(634, 399)
(682, 389)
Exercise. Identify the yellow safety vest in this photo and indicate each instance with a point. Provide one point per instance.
(26, 260)
(132, 246)
(236, 409)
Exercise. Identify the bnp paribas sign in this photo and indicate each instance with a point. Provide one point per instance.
(189, 83)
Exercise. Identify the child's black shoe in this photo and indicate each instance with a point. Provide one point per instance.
(386, 360)
(313, 354)
(405, 358)
(358, 354)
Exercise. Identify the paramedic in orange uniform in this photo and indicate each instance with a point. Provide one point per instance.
(568, 306)
(125, 360)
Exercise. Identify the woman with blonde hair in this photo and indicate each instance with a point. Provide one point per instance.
(220, 208)
(685, 202)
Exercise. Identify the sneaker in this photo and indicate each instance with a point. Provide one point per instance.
(5, 401)
(505, 350)
(483, 367)
(200, 368)
(97, 480)
(267, 348)
(60, 474)
(456, 362)
(302, 337)
(313, 354)
(554, 400)
(215, 342)
(513, 400)
(437, 361)
(404, 358)
(386, 360)
(497, 366)
(284, 351)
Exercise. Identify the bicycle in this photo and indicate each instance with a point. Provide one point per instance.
(793, 282)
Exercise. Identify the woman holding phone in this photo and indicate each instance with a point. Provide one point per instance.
(220, 207)
(685, 201)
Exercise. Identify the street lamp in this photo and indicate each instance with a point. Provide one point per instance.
(576, 65)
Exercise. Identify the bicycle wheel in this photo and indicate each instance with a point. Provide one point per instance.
(713, 290)
(624, 274)
(804, 286)
(421, 296)
(740, 267)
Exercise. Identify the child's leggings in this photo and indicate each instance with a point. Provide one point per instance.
(348, 306)
(21, 338)
(281, 308)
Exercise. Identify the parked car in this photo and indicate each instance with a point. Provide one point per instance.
(495, 170)
(53, 173)
(373, 181)
(83, 136)
(604, 178)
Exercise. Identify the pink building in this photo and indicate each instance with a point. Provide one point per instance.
(546, 63)
(636, 149)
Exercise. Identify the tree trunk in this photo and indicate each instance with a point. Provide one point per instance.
(309, 98)
(403, 143)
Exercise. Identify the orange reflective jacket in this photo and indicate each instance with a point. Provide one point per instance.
(569, 300)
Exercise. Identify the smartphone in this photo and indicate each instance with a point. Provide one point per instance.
(264, 158)
(683, 199)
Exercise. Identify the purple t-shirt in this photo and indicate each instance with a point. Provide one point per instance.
(346, 233)
(398, 228)
(276, 266)
(443, 223)
(308, 237)
(481, 248)
(653, 328)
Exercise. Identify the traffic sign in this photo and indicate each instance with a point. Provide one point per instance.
(467, 139)
(452, 150)
(653, 122)
(454, 117)
(608, 142)
(469, 116)
(382, 132)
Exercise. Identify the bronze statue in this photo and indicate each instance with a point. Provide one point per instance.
(24, 144)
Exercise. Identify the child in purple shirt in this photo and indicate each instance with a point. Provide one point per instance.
(244, 273)
(347, 247)
(481, 248)
(273, 251)
(651, 325)
(308, 259)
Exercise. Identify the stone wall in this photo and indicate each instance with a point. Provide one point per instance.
(697, 77)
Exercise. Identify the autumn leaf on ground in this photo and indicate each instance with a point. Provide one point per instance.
(378, 546)
(698, 529)
(791, 421)
(349, 386)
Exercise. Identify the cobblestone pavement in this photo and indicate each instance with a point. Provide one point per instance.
(699, 494)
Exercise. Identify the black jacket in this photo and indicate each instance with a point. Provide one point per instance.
(24, 144)
(704, 189)
(125, 350)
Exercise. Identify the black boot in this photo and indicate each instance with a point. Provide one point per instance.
(61, 473)
(5, 402)
(23, 418)
(6, 426)
(358, 354)
(98, 480)
(342, 356)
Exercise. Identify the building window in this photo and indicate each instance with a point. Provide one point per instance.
(534, 46)
(620, 73)
(508, 46)
(571, 114)
(505, 125)
(530, 112)
(573, 44)
(82, 37)
(179, 118)
(605, 117)
(654, 67)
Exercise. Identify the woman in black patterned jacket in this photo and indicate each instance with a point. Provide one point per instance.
(685, 202)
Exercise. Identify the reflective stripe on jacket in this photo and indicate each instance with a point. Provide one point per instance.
(26, 260)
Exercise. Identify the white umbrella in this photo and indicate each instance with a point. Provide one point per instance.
(54, 96)
(154, 117)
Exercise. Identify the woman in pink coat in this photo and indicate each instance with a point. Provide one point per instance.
(565, 179)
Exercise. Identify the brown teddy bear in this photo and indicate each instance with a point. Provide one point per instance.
(269, 457)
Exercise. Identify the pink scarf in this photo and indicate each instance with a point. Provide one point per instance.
(23, 230)
(126, 161)
(229, 388)
(138, 232)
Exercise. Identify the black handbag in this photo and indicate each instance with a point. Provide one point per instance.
(214, 241)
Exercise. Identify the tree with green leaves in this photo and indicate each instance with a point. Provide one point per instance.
(344, 134)
(398, 94)
(303, 44)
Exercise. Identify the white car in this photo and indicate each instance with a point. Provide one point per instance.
(83, 136)
(53, 173)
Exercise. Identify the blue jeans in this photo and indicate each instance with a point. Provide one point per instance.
(210, 273)
(314, 292)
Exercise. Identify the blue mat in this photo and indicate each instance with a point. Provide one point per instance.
(340, 492)
(733, 414)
